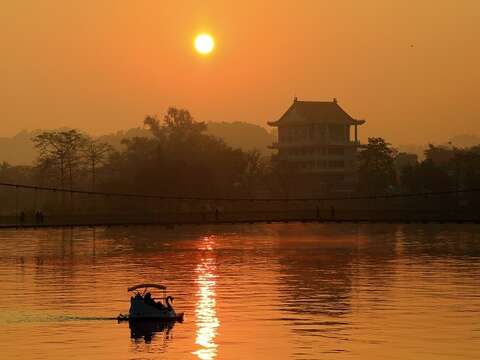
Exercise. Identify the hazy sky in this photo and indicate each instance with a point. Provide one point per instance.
(410, 68)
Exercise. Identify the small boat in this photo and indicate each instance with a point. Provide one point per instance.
(144, 307)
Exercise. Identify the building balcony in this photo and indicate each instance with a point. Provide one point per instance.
(309, 143)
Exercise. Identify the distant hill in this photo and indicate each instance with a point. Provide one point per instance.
(242, 135)
(418, 150)
(19, 149)
(236, 134)
(459, 141)
(115, 139)
(465, 140)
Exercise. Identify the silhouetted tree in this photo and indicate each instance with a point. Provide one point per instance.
(137, 165)
(425, 176)
(4, 167)
(465, 167)
(376, 169)
(444, 168)
(60, 150)
(181, 159)
(178, 125)
(19, 174)
(255, 172)
(440, 155)
(95, 153)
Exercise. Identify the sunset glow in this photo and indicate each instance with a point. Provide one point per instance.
(207, 321)
(204, 43)
(267, 180)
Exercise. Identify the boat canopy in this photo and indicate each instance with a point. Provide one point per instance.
(141, 286)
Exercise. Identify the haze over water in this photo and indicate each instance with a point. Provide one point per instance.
(256, 292)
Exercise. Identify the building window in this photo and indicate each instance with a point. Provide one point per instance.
(336, 164)
(337, 132)
(311, 132)
(321, 130)
(336, 150)
(321, 164)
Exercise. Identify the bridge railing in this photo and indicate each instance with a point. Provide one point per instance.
(237, 217)
(24, 205)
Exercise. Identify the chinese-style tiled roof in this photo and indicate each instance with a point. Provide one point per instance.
(315, 112)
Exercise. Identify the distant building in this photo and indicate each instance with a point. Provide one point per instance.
(314, 139)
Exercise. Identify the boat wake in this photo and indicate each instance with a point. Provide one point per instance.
(19, 318)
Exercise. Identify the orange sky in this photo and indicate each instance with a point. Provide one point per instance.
(102, 65)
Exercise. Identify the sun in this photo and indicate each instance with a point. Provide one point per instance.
(204, 43)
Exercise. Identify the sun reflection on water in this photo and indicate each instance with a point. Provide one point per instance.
(207, 321)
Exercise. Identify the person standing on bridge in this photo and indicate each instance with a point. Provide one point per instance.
(22, 217)
(39, 217)
(332, 211)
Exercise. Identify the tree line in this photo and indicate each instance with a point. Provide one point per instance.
(384, 170)
(180, 159)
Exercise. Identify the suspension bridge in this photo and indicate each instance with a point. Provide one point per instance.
(28, 206)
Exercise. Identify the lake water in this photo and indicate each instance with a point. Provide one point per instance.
(290, 291)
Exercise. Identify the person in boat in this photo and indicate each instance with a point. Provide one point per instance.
(147, 299)
(159, 305)
(169, 300)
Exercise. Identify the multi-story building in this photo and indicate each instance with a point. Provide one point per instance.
(315, 140)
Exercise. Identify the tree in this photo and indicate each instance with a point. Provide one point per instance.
(154, 126)
(60, 150)
(440, 155)
(255, 170)
(19, 174)
(179, 125)
(285, 177)
(96, 153)
(465, 167)
(4, 168)
(180, 159)
(376, 169)
(425, 176)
